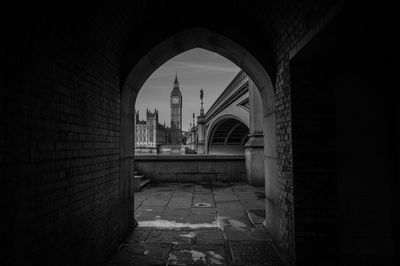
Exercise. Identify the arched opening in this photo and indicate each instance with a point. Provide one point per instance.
(179, 43)
(228, 136)
(169, 103)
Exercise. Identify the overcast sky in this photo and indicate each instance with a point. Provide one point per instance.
(196, 68)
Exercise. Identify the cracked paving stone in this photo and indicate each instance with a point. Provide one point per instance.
(229, 221)
(210, 236)
(257, 216)
(253, 203)
(254, 253)
(230, 206)
(246, 234)
(142, 254)
(206, 200)
(154, 202)
(232, 213)
(242, 240)
(225, 199)
(199, 219)
(175, 237)
(198, 255)
(139, 235)
(203, 211)
(177, 215)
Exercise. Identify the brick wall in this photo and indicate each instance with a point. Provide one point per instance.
(322, 90)
(289, 32)
(61, 132)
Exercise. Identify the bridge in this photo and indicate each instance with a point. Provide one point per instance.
(233, 125)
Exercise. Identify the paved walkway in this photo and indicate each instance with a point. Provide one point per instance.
(198, 224)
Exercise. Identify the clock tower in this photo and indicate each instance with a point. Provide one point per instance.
(176, 113)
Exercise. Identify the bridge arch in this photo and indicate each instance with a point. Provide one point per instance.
(213, 124)
(227, 135)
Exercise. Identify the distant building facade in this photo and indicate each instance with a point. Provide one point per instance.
(152, 137)
(149, 133)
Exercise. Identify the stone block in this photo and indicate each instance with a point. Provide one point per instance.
(254, 253)
(210, 237)
(198, 255)
(174, 237)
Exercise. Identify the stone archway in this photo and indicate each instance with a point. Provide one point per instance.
(215, 42)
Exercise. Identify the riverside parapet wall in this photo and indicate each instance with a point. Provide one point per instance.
(192, 168)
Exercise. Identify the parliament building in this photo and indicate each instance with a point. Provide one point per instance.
(151, 136)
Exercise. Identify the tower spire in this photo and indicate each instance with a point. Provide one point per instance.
(201, 98)
(176, 83)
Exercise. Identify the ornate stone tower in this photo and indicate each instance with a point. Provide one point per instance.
(176, 113)
(200, 127)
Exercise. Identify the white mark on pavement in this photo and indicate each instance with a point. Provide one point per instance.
(215, 257)
(172, 259)
(190, 235)
(197, 255)
(160, 223)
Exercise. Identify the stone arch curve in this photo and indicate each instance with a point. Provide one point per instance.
(177, 44)
(234, 124)
(216, 122)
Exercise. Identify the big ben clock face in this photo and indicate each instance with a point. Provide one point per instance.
(175, 100)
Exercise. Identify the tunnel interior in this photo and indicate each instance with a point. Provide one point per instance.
(72, 77)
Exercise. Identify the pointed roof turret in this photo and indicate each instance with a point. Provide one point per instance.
(175, 91)
(176, 82)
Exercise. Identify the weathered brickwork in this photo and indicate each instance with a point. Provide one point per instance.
(62, 141)
(288, 29)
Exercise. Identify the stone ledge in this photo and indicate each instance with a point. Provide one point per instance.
(187, 157)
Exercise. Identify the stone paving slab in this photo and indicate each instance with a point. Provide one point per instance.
(203, 201)
(198, 255)
(203, 211)
(175, 237)
(254, 253)
(210, 236)
(158, 209)
(237, 222)
(139, 235)
(253, 234)
(173, 230)
(179, 204)
(257, 216)
(225, 198)
(177, 212)
(253, 203)
(247, 197)
(142, 254)
(229, 206)
(155, 202)
(202, 218)
(232, 213)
